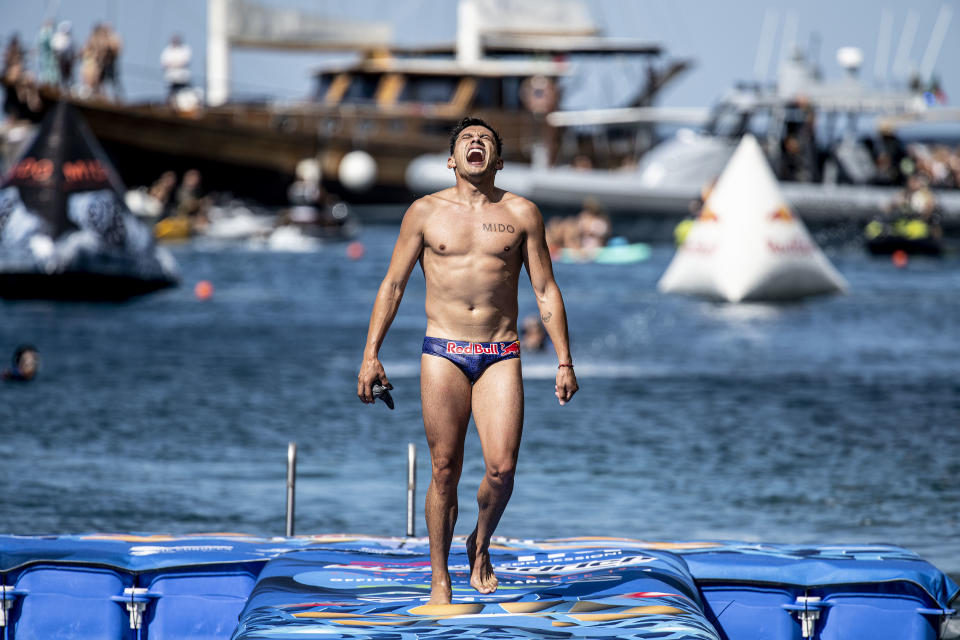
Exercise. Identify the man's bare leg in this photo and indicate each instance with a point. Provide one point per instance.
(498, 413)
(445, 395)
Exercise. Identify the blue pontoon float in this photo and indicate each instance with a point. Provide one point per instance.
(231, 586)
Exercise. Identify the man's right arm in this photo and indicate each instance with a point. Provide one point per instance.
(406, 252)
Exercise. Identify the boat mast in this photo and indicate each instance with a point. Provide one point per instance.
(218, 53)
(469, 48)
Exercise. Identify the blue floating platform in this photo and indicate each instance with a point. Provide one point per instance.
(223, 586)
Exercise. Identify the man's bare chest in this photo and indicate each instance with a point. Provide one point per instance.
(495, 234)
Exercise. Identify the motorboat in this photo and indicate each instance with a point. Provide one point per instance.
(829, 177)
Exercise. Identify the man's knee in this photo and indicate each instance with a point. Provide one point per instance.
(446, 472)
(501, 473)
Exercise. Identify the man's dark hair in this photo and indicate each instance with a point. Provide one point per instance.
(470, 121)
(20, 350)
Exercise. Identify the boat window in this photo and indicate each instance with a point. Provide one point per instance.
(363, 88)
(431, 89)
(488, 93)
(729, 121)
(761, 123)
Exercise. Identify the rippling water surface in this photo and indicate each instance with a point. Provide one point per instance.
(831, 420)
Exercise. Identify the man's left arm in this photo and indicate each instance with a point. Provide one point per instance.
(536, 259)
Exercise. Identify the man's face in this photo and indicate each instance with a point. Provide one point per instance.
(475, 152)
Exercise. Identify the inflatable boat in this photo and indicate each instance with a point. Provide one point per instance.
(231, 586)
(65, 232)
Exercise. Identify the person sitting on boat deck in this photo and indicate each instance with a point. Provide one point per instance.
(26, 361)
(189, 203)
(471, 241)
(162, 191)
(915, 211)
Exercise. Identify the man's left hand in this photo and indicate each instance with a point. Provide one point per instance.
(566, 385)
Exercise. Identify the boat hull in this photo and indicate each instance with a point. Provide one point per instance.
(77, 286)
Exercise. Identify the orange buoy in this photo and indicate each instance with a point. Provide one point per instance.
(900, 258)
(203, 290)
(355, 250)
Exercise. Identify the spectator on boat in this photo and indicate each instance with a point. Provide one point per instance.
(175, 59)
(13, 59)
(20, 91)
(915, 200)
(889, 159)
(111, 45)
(26, 361)
(955, 166)
(798, 149)
(46, 60)
(91, 62)
(62, 44)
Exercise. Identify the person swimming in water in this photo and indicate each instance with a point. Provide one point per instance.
(26, 361)
(471, 241)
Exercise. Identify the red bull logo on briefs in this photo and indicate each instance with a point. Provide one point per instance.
(483, 348)
(477, 348)
(506, 349)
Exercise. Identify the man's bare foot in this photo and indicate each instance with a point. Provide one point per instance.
(440, 591)
(482, 577)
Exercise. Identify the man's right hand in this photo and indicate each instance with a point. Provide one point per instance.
(371, 371)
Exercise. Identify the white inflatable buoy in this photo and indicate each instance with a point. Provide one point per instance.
(747, 244)
(358, 171)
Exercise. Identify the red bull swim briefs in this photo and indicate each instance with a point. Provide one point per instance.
(472, 358)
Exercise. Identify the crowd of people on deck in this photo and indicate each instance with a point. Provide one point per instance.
(89, 71)
(58, 58)
(888, 161)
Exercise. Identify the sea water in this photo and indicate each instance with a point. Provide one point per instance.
(830, 420)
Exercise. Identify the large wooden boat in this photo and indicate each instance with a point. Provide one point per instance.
(391, 105)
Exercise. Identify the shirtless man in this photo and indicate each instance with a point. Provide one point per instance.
(471, 241)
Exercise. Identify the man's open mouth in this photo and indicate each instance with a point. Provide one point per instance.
(475, 156)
